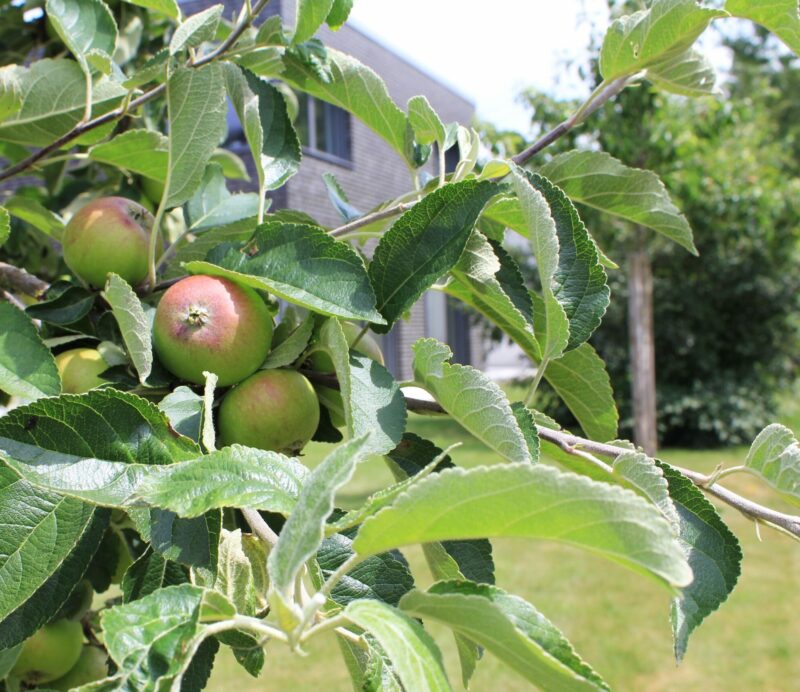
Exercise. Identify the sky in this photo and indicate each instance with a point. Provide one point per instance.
(489, 50)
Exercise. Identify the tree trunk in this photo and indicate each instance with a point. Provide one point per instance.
(642, 346)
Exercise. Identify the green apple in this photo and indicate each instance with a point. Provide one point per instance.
(274, 409)
(210, 323)
(50, 653)
(91, 666)
(111, 234)
(80, 370)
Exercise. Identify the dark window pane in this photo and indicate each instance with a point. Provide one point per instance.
(451, 159)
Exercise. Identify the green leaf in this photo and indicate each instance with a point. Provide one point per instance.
(487, 279)
(713, 552)
(304, 530)
(510, 628)
(779, 16)
(384, 577)
(543, 233)
(38, 216)
(342, 80)
(48, 599)
(154, 70)
(8, 657)
(292, 347)
(428, 127)
(192, 542)
(5, 225)
(213, 207)
(414, 656)
(580, 379)
(301, 264)
(470, 559)
(46, 443)
(234, 476)
(530, 501)
(339, 199)
(64, 303)
(600, 181)
(264, 62)
(87, 28)
(149, 573)
(233, 168)
(524, 417)
(242, 572)
(637, 41)
(471, 398)
(340, 11)
(167, 7)
(267, 126)
(687, 74)
(27, 368)
(53, 101)
(10, 91)
(424, 244)
(196, 248)
(145, 152)
(774, 456)
(184, 409)
(580, 284)
(152, 640)
(40, 530)
(643, 475)
(196, 29)
(196, 107)
(133, 323)
(311, 15)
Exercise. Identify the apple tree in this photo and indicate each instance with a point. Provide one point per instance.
(168, 347)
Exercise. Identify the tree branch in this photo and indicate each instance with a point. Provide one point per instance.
(117, 113)
(259, 526)
(19, 281)
(595, 101)
(370, 218)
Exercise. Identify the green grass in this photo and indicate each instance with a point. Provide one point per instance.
(618, 622)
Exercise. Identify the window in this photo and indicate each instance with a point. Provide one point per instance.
(323, 128)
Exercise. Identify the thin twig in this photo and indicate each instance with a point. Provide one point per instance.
(259, 526)
(595, 101)
(83, 127)
(370, 218)
(19, 281)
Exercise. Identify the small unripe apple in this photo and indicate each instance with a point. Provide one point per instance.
(92, 665)
(275, 410)
(321, 362)
(80, 370)
(50, 653)
(124, 560)
(111, 234)
(210, 323)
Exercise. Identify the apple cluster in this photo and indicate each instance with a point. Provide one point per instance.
(203, 324)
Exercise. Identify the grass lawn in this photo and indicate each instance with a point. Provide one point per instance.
(618, 621)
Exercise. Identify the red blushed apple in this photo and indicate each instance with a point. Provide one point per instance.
(108, 235)
(210, 323)
(275, 410)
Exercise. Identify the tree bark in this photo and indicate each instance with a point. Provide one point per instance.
(642, 346)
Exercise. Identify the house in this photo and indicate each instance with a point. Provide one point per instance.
(370, 172)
